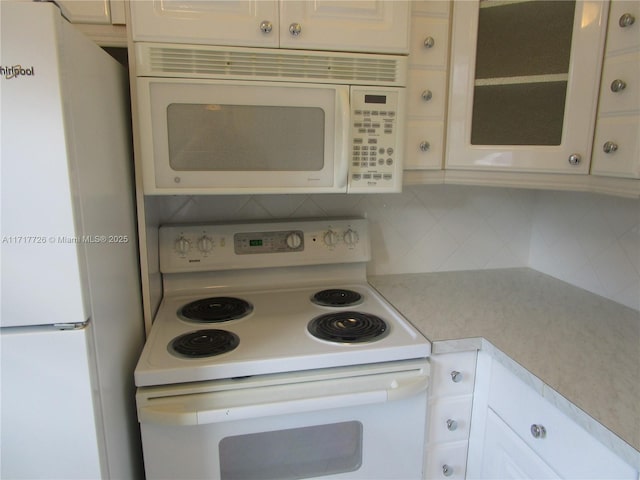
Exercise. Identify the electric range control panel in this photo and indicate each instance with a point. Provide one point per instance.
(211, 247)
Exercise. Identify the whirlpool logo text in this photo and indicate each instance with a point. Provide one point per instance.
(17, 71)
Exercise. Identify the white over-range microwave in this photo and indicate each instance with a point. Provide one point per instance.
(223, 120)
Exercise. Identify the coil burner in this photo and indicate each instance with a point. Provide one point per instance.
(348, 327)
(215, 310)
(336, 297)
(204, 343)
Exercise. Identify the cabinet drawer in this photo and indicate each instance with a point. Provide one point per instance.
(449, 419)
(426, 93)
(623, 38)
(622, 68)
(570, 450)
(423, 28)
(447, 457)
(419, 133)
(624, 132)
(445, 381)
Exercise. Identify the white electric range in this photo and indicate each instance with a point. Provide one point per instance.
(269, 339)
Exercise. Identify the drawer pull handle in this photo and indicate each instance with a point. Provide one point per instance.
(609, 147)
(266, 26)
(427, 95)
(618, 85)
(429, 42)
(424, 146)
(447, 471)
(538, 431)
(626, 20)
(452, 425)
(575, 159)
(456, 376)
(295, 29)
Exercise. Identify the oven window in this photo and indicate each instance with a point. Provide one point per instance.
(305, 452)
(245, 138)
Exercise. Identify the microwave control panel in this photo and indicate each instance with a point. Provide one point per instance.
(377, 129)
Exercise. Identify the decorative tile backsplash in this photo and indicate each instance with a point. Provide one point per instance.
(589, 240)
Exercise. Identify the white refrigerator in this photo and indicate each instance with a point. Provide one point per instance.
(71, 316)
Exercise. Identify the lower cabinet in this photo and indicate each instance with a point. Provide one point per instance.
(507, 456)
(517, 433)
(449, 420)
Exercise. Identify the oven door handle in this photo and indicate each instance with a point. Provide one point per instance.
(180, 412)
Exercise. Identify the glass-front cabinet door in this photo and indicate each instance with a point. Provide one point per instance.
(524, 84)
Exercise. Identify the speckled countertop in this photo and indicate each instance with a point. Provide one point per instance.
(583, 346)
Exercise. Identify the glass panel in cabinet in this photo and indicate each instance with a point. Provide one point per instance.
(522, 69)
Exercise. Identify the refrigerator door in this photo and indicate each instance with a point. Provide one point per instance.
(48, 425)
(40, 245)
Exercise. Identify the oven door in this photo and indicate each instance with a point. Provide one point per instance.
(369, 425)
(208, 136)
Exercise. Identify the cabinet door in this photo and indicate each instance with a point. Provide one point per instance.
(86, 11)
(524, 85)
(506, 456)
(357, 26)
(251, 23)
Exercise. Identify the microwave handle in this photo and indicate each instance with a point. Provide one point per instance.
(343, 129)
(179, 413)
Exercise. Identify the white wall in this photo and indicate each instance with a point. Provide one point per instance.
(592, 241)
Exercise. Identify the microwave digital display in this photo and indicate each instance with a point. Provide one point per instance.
(375, 99)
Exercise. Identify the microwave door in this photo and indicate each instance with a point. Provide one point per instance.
(244, 137)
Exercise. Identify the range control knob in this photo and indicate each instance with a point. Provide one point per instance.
(330, 238)
(205, 244)
(182, 246)
(294, 240)
(351, 237)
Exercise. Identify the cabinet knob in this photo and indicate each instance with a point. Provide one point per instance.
(424, 146)
(538, 431)
(295, 29)
(456, 376)
(429, 42)
(609, 147)
(452, 425)
(626, 20)
(427, 95)
(618, 85)
(266, 26)
(447, 471)
(575, 159)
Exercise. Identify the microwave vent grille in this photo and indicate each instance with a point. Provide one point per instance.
(164, 60)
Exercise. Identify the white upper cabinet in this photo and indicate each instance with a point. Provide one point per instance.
(360, 26)
(103, 21)
(524, 85)
(616, 147)
(427, 85)
(97, 12)
(252, 23)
